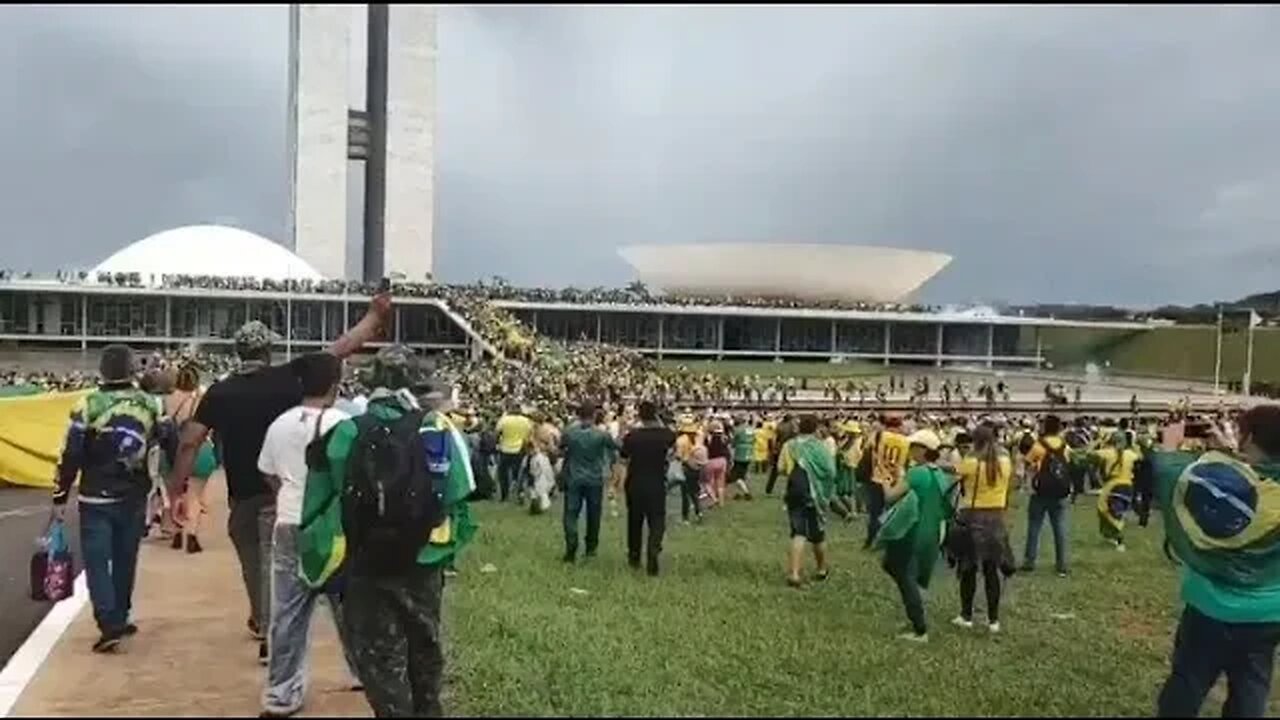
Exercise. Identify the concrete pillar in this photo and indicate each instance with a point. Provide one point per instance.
(84, 322)
(940, 347)
(991, 345)
(410, 140)
(888, 343)
(319, 62)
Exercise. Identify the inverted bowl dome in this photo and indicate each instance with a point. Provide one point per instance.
(850, 273)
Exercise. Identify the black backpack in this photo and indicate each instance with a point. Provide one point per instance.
(1053, 478)
(394, 494)
(797, 495)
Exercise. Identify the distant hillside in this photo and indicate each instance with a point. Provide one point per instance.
(1267, 303)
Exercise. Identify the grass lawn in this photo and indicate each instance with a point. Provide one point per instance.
(719, 633)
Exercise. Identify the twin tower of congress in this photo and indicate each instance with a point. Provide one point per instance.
(392, 138)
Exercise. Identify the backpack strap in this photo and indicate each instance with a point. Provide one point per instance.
(319, 421)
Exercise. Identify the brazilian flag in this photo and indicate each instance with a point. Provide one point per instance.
(898, 520)
(1222, 518)
(1114, 501)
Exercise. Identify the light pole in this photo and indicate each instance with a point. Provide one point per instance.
(1248, 357)
(1217, 358)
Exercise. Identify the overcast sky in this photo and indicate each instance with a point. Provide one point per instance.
(1104, 154)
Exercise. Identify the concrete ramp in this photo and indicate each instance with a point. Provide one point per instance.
(478, 343)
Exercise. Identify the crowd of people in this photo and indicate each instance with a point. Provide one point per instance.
(494, 289)
(938, 490)
(368, 503)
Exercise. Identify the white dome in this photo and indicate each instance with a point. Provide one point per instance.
(214, 250)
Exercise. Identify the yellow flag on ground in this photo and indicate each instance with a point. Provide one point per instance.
(32, 429)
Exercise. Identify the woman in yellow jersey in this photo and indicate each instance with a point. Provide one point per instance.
(885, 464)
(979, 539)
(1117, 462)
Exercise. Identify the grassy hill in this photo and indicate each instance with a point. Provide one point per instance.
(1184, 352)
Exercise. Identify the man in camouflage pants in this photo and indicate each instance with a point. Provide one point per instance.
(393, 621)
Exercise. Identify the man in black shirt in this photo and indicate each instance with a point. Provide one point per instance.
(238, 410)
(647, 451)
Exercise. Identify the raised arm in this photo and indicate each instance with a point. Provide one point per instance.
(367, 329)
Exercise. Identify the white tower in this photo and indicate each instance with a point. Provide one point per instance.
(394, 136)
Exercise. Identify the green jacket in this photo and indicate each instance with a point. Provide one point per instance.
(588, 454)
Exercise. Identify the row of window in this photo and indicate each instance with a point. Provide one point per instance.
(685, 332)
(199, 318)
(318, 321)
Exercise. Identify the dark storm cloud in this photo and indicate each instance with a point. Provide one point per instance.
(1093, 154)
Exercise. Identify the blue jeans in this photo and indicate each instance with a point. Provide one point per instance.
(575, 497)
(1057, 512)
(110, 534)
(292, 602)
(1205, 648)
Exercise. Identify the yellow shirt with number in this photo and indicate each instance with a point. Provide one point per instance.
(889, 458)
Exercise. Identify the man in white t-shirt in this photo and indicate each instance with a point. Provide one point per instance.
(284, 463)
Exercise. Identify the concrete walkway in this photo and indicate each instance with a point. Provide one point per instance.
(192, 655)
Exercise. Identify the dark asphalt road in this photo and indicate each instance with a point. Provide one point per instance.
(24, 514)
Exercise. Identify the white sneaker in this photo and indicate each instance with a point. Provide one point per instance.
(994, 628)
(960, 622)
(1120, 547)
(912, 637)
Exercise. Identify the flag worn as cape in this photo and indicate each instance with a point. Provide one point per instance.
(898, 520)
(322, 544)
(820, 465)
(1222, 516)
(1114, 500)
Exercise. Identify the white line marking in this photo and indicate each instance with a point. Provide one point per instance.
(27, 661)
(25, 511)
